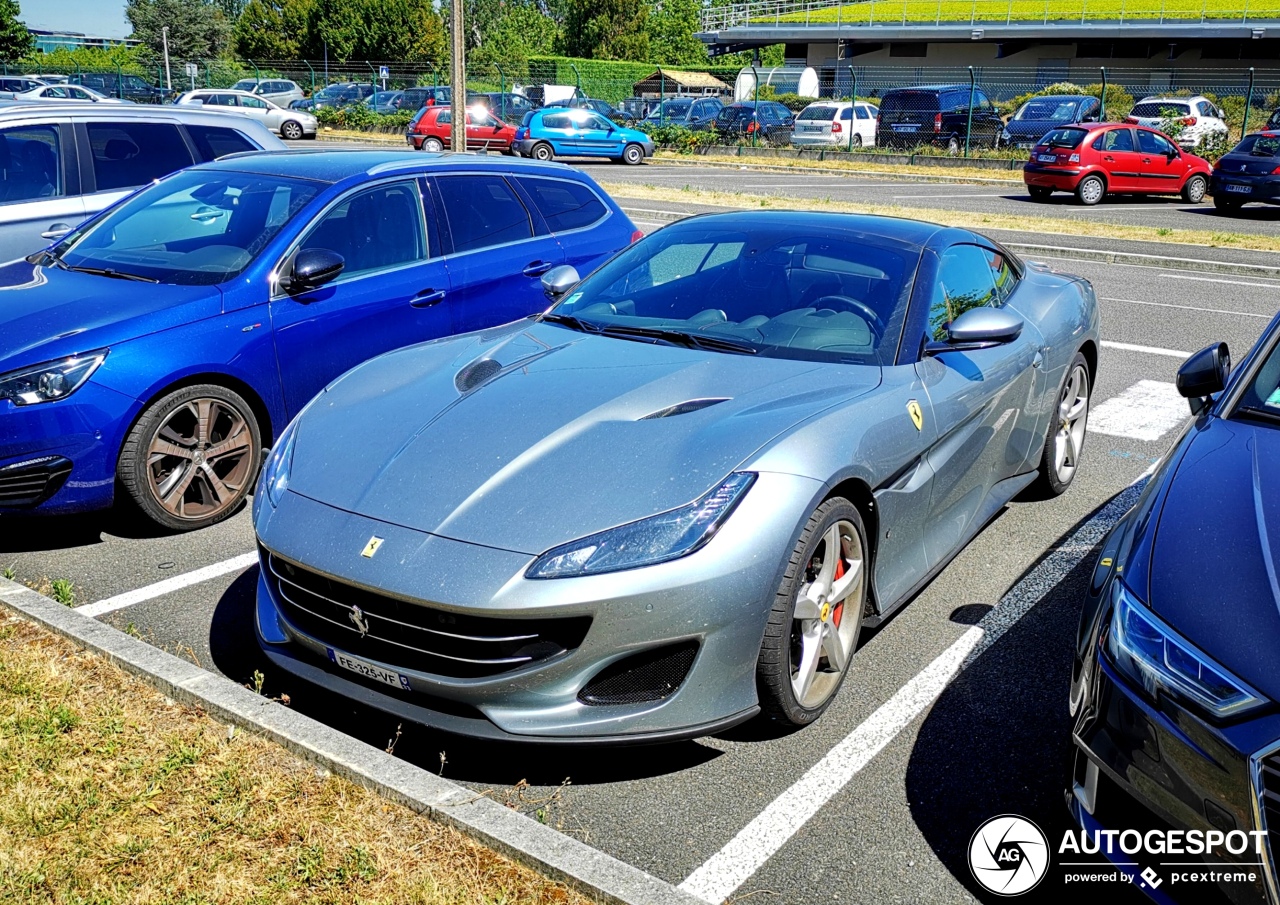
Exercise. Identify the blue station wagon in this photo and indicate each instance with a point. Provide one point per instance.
(163, 344)
(578, 132)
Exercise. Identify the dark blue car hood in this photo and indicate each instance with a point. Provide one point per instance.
(1217, 543)
(46, 313)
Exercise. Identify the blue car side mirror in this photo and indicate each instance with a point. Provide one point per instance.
(312, 268)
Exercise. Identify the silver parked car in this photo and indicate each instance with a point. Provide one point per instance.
(280, 91)
(63, 93)
(289, 124)
(64, 162)
(674, 500)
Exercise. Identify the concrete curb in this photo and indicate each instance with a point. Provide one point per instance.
(555, 855)
(833, 171)
(1048, 251)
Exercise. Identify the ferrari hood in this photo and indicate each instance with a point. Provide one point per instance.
(535, 435)
(1217, 546)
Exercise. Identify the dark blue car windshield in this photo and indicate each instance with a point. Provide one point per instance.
(781, 291)
(197, 228)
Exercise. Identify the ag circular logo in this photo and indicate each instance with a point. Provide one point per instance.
(1008, 855)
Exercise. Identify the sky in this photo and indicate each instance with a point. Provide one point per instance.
(93, 17)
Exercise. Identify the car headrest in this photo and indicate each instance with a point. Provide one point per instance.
(120, 149)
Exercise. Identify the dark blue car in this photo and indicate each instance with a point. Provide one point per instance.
(163, 344)
(1176, 685)
(1250, 172)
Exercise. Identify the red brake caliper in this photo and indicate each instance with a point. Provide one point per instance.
(839, 610)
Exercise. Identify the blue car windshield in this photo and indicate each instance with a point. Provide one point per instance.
(776, 291)
(196, 228)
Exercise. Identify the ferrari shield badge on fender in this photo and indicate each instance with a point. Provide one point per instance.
(913, 409)
(372, 547)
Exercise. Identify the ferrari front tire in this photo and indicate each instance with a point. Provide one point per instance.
(1064, 441)
(816, 618)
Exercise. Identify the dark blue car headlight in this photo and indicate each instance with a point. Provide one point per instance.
(1156, 658)
(659, 538)
(50, 381)
(274, 480)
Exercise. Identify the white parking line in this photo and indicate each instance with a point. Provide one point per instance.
(1195, 307)
(764, 836)
(1149, 350)
(964, 195)
(1145, 411)
(1183, 276)
(168, 586)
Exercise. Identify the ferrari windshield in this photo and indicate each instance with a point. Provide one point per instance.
(779, 291)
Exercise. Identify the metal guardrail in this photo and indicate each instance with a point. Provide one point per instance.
(978, 12)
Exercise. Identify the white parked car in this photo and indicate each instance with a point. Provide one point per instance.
(290, 124)
(280, 91)
(1199, 118)
(829, 123)
(68, 93)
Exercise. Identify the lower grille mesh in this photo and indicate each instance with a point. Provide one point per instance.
(648, 676)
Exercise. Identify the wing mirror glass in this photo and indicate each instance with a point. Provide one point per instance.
(1204, 374)
(978, 328)
(312, 268)
(559, 280)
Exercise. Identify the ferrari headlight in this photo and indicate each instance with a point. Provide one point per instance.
(51, 381)
(649, 541)
(1152, 654)
(274, 480)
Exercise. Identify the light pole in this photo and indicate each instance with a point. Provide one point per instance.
(458, 80)
(168, 76)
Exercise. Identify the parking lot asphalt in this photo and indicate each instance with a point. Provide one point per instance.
(891, 790)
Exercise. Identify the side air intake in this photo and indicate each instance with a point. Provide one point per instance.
(683, 408)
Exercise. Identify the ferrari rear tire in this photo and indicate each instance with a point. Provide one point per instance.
(1193, 191)
(816, 619)
(1064, 441)
(192, 457)
(1091, 190)
(434, 145)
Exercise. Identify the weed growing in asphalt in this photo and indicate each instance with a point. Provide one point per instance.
(63, 591)
(1163, 231)
(258, 679)
(10, 573)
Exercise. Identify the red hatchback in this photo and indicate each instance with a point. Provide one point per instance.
(1093, 160)
(429, 130)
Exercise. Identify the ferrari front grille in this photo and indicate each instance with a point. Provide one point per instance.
(414, 636)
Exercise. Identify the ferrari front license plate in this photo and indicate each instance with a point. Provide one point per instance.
(1047, 158)
(368, 670)
(1242, 189)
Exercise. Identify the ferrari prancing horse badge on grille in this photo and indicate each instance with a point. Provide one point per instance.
(913, 409)
(372, 547)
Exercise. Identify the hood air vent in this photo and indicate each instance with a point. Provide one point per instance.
(683, 408)
(475, 373)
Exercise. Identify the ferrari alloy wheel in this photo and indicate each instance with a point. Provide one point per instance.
(1091, 190)
(817, 616)
(1194, 191)
(542, 151)
(1065, 442)
(290, 130)
(434, 145)
(192, 457)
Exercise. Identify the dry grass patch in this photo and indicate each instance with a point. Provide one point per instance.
(1044, 228)
(110, 793)
(870, 167)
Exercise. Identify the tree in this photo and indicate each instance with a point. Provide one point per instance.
(508, 32)
(606, 29)
(232, 9)
(198, 30)
(273, 29)
(408, 30)
(15, 41)
(672, 25)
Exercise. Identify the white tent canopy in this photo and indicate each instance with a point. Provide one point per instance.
(784, 80)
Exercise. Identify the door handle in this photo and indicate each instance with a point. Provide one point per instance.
(426, 298)
(537, 269)
(1108, 158)
(56, 231)
(1146, 160)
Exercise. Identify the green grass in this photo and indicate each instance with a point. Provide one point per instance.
(887, 11)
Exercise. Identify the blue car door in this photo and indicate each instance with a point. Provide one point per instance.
(558, 130)
(497, 250)
(597, 136)
(393, 290)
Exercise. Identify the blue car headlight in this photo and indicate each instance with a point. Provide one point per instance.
(1153, 655)
(659, 538)
(50, 381)
(274, 480)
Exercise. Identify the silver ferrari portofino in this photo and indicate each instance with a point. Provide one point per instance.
(673, 501)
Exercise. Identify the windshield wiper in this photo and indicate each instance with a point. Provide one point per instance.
(1253, 411)
(680, 338)
(113, 274)
(568, 320)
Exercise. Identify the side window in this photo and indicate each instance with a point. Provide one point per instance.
(1206, 109)
(1003, 274)
(30, 159)
(863, 113)
(564, 205)
(557, 121)
(1114, 140)
(444, 117)
(253, 103)
(213, 142)
(374, 229)
(119, 161)
(222, 100)
(1151, 143)
(965, 281)
(482, 211)
(597, 122)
